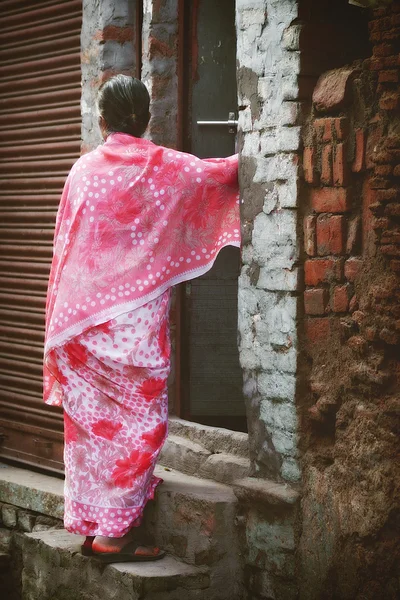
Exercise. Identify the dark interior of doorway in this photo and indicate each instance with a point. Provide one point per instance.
(210, 375)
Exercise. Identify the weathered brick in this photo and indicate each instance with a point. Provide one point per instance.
(388, 76)
(323, 129)
(310, 174)
(315, 301)
(384, 170)
(383, 49)
(392, 210)
(322, 270)
(379, 183)
(340, 298)
(326, 165)
(359, 154)
(341, 127)
(332, 89)
(310, 235)
(390, 101)
(353, 235)
(317, 330)
(390, 195)
(352, 267)
(340, 166)
(334, 200)
(330, 234)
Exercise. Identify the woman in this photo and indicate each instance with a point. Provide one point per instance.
(134, 220)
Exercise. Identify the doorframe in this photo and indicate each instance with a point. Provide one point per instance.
(187, 75)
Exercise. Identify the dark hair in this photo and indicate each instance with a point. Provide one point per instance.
(124, 105)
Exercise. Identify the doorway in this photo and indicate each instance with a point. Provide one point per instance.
(211, 376)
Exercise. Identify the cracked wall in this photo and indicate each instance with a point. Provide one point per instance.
(269, 141)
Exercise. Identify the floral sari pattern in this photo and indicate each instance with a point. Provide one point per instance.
(134, 220)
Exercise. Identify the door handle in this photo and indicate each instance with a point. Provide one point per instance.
(231, 123)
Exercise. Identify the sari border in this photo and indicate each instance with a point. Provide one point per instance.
(105, 315)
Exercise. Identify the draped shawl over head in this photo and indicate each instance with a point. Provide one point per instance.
(134, 219)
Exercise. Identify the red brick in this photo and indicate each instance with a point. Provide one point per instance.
(380, 24)
(310, 174)
(390, 250)
(389, 76)
(310, 245)
(396, 171)
(390, 101)
(333, 89)
(352, 267)
(353, 236)
(326, 165)
(341, 127)
(379, 183)
(330, 234)
(384, 170)
(359, 155)
(392, 34)
(383, 50)
(376, 64)
(322, 270)
(315, 301)
(323, 129)
(115, 34)
(334, 200)
(340, 298)
(395, 266)
(340, 166)
(392, 210)
(384, 196)
(353, 305)
(317, 329)
(328, 130)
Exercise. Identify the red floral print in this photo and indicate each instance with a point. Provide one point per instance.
(163, 339)
(106, 429)
(134, 219)
(128, 469)
(151, 388)
(77, 354)
(155, 437)
(70, 429)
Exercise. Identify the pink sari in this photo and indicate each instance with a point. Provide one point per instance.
(134, 220)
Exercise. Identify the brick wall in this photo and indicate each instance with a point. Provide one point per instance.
(108, 44)
(350, 339)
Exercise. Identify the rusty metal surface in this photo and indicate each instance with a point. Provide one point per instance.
(40, 126)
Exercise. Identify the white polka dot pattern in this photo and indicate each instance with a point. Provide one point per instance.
(134, 219)
(114, 385)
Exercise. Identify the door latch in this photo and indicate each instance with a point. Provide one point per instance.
(231, 123)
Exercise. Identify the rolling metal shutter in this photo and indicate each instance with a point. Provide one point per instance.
(40, 127)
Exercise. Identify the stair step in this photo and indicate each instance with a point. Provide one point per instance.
(53, 567)
(191, 518)
(193, 458)
(214, 439)
(183, 455)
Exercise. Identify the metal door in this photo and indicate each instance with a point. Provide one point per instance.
(40, 128)
(211, 374)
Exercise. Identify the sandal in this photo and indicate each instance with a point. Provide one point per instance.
(86, 548)
(132, 552)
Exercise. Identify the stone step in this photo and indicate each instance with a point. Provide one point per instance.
(54, 569)
(194, 519)
(214, 439)
(193, 458)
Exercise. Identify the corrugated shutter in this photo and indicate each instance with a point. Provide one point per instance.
(39, 140)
